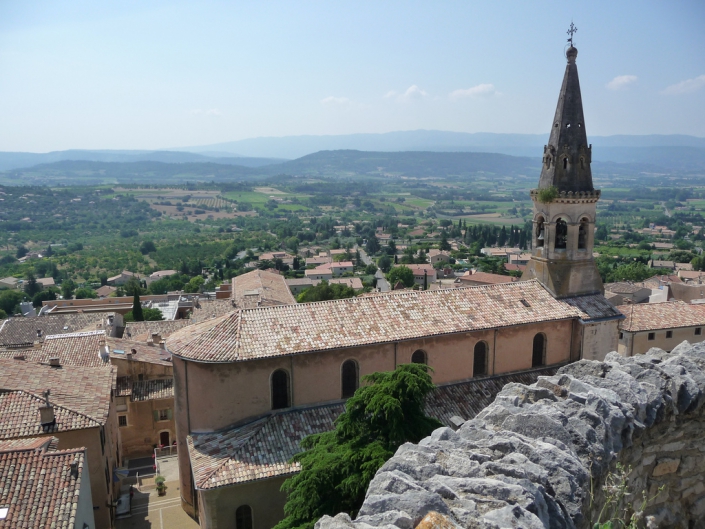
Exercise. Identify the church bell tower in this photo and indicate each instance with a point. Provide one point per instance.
(565, 201)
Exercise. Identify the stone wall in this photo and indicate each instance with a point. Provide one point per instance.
(540, 455)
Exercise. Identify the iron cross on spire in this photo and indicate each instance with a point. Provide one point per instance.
(571, 31)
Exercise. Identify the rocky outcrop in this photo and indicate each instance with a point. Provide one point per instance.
(546, 455)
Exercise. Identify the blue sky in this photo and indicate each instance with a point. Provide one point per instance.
(150, 74)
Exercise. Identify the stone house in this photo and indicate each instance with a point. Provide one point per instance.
(64, 497)
(629, 292)
(73, 404)
(122, 278)
(437, 256)
(662, 325)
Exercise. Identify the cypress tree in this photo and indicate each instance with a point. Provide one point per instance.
(137, 308)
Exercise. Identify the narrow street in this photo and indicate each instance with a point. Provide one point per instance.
(381, 281)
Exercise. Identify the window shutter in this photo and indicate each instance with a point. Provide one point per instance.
(156, 415)
(169, 414)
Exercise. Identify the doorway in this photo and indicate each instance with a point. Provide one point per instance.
(164, 438)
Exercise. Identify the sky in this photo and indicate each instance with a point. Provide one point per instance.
(152, 74)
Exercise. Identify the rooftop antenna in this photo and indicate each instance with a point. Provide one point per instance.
(570, 32)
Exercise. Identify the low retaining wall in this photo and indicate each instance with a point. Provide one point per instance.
(547, 455)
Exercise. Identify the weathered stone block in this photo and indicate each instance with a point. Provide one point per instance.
(665, 466)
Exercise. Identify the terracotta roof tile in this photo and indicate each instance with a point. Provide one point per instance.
(162, 388)
(261, 289)
(654, 316)
(292, 329)
(22, 332)
(263, 448)
(209, 309)
(144, 329)
(81, 390)
(38, 485)
(593, 307)
(76, 349)
(151, 354)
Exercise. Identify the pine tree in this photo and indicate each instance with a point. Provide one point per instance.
(337, 466)
(137, 308)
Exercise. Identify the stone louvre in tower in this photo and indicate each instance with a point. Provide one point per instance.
(565, 200)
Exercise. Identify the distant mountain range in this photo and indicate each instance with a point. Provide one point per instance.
(17, 160)
(662, 152)
(341, 163)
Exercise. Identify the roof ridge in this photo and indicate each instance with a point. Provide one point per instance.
(54, 404)
(79, 334)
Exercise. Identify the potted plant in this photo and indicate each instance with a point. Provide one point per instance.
(161, 486)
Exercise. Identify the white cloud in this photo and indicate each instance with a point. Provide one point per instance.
(412, 93)
(685, 87)
(335, 101)
(481, 90)
(206, 112)
(621, 82)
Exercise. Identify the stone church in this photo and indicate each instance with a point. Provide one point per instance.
(251, 384)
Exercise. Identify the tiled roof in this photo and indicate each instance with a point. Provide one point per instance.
(352, 282)
(141, 390)
(263, 448)
(593, 307)
(624, 287)
(23, 331)
(20, 416)
(38, 486)
(261, 289)
(211, 309)
(153, 389)
(144, 329)
(301, 328)
(151, 354)
(654, 316)
(487, 278)
(76, 349)
(84, 390)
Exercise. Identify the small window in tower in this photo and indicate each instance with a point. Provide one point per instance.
(561, 234)
(567, 126)
(579, 125)
(582, 234)
(539, 232)
(565, 163)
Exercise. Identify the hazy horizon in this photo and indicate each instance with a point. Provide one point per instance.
(168, 75)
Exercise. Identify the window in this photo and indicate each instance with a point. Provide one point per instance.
(479, 364)
(621, 335)
(565, 163)
(122, 420)
(419, 357)
(280, 390)
(582, 234)
(163, 415)
(669, 334)
(243, 517)
(698, 331)
(652, 336)
(349, 378)
(537, 356)
(539, 231)
(561, 234)
(121, 404)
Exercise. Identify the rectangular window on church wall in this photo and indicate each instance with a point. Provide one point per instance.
(669, 334)
(652, 336)
(698, 331)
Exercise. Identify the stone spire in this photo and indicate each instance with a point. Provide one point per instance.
(567, 157)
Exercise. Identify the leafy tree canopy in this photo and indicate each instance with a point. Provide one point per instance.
(86, 293)
(325, 291)
(337, 466)
(9, 300)
(147, 314)
(401, 273)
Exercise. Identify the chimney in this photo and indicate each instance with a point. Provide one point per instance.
(103, 350)
(39, 333)
(162, 344)
(132, 353)
(55, 361)
(46, 412)
(156, 337)
(74, 469)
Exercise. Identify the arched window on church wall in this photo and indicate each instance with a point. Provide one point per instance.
(243, 517)
(349, 375)
(479, 364)
(280, 389)
(419, 357)
(538, 354)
